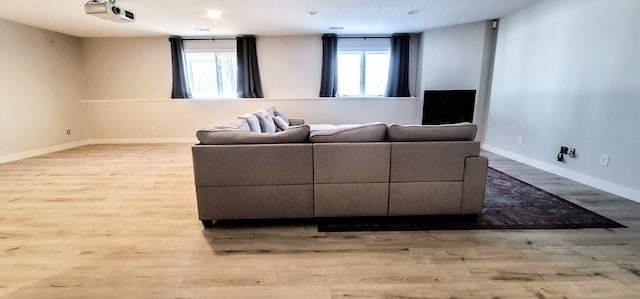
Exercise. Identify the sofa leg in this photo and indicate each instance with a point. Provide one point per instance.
(207, 223)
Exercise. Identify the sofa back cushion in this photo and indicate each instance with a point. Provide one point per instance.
(453, 132)
(295, 134)
(372, 132)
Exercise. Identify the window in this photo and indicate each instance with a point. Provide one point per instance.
(211, 68)
(211, 75)
(362, 73)
(363, 67)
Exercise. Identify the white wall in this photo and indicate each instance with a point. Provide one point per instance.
(453, 56)
(456, 57)
(41, 88)
(127, 68)
(129, 85)
(290, 66)
(178, 120)
(567, 73)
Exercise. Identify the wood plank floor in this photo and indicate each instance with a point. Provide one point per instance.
(119, 221)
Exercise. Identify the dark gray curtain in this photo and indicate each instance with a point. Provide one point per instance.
(180, 89)
(398, 84)
(249, 85)
(329, 77)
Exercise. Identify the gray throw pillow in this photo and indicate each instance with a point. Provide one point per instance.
(266, 121)
(372, 132)
(454, 132)
(284, 116)
(252, 120)
(272, 111)
(281, 123)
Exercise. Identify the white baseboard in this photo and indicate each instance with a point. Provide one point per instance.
(41, 151)
(143, 140)
(61, 147)
(616, 189)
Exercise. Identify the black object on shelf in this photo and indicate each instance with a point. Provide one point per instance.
(448, 106)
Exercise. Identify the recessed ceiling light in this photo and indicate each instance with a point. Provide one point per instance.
(214, 13)
(313, 12)
(335, 28)
(413, 12)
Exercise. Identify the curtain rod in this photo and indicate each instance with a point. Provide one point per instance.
(233, 38)
(211, 38)
(365, 37)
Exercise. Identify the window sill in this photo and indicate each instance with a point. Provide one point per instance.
(90, 101)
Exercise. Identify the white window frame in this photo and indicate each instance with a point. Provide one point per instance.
(362, 46)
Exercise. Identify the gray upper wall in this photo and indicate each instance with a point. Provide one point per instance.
(567, 73)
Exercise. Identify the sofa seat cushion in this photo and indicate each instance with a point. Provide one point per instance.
(321, 127)
(239, 124)
(453, 132)
(328, 127)
(372, 132)
(295, 134)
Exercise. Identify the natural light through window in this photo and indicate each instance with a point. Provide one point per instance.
(362, 73)
(212, 75)
(376, 73)
(349, 70)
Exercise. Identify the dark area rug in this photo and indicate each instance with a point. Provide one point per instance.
(509, 204)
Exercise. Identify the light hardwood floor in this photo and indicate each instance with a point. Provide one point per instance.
(119, 221)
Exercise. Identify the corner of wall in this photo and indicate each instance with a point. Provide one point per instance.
(41, 151)
(613, 188)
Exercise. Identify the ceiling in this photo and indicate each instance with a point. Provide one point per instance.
(258, 17)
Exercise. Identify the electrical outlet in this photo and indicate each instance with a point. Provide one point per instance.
(564, 150)
(604, 160)
(68, 131)
(519, 139)
(153, 127)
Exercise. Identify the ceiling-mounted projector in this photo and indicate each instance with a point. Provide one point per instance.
(108, 10)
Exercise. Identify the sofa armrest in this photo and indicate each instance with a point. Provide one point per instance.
(296, 121)
(473, 185)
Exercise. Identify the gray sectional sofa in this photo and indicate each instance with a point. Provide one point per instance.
(305, 171)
